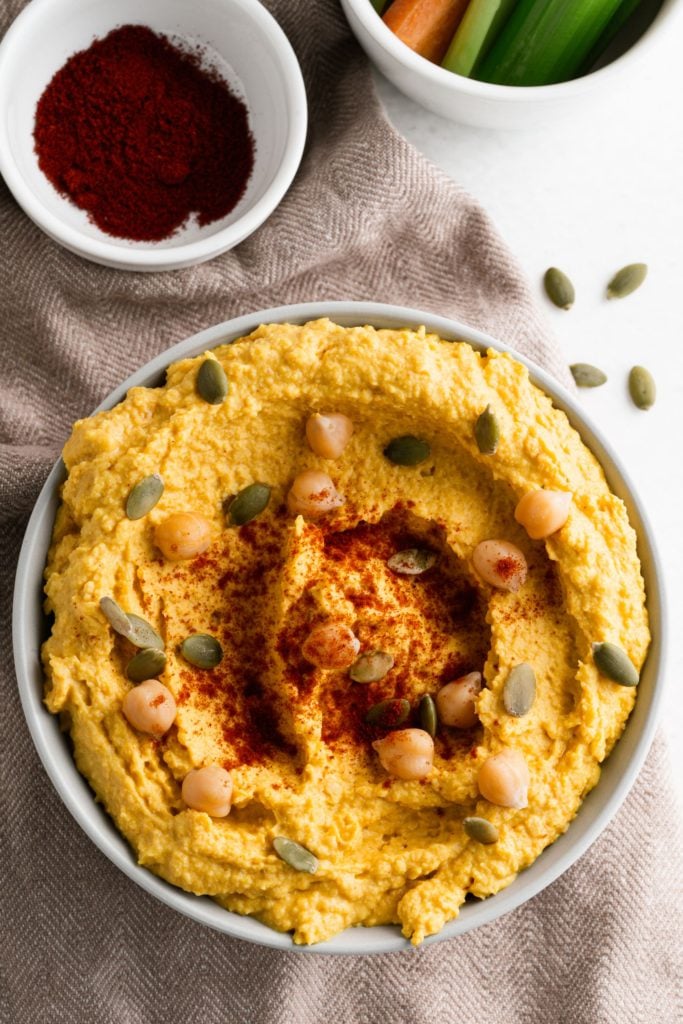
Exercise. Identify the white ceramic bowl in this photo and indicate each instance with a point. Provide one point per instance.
(247, 46)
(619, 772)
(497, 106)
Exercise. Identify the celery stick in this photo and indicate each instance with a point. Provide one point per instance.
(481, 24)
(546, 42)
(613, 29)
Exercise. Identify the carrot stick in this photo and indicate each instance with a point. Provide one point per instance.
(426, 26)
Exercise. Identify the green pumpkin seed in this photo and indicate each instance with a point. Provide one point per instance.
(296, 855)
(427, 714)
(147, 664)
(248, 503)
(626, 280)
(371, 667)
(212, 384)
(587, 376)
(144, 496)
(388, 714)
(407, 450)
(142, 634)
(115, 616)
(136, 630)
(519, 691)
(614, 663)
(559, 288)
(487, 432)
(412, 561)
(481, 830)
(202, 650)
(642, 387)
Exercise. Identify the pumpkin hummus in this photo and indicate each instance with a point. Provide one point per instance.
(294, 735)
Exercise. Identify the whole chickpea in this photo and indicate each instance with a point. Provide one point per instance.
(208, 789)
(331, 645)
(328, 435)
(500, 564)
(456, 702)
(504, 779)
(312, 495)
(183, 535)
(150, 708)
(543, 513)
(406, 753)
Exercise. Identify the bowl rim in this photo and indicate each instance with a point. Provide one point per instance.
(373, 25)
(78, 797)
(126, 257)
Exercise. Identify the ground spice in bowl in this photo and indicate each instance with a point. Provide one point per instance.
(142, 136)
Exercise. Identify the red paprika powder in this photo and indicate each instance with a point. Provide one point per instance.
(140, 135)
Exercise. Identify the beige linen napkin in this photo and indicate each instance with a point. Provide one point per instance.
(367, 218)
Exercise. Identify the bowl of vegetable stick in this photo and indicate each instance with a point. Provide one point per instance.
(509, 63)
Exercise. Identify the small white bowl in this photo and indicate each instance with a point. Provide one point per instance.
(29, 629)
(496, 106)
(249, 49)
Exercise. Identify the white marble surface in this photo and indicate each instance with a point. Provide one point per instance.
(589, 196)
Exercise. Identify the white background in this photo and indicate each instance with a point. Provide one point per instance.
(590, 195)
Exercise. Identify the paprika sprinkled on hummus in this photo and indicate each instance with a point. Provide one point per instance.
(506, 568)
(272, 734)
